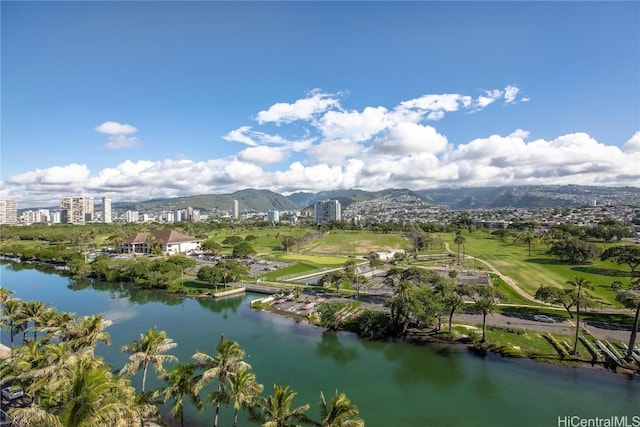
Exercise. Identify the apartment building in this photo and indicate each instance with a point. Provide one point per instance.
(326, 211)
(106, 210)
(8, 211)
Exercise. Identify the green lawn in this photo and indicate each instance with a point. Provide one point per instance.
(352, 242)
(297, 269)
(538, 269)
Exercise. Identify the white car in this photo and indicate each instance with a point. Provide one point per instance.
(543, 318)
(12, 393)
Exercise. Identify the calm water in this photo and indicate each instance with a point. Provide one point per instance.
(393, 384)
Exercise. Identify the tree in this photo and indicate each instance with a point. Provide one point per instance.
(243, 250)
(329, 314)
(276, 410)
(288, 242)
(181, 380)
(630, 298)
(579, 283)
(5, 295)
(34, 312)
(460, 241)
(527, 238)
(150, 348)
(88, 330)
(554, 295)
(227, 361)
(82, 391)
(210, 246)
(339, 412)
(574, 251)
(11, 314)
(485, 298)
(232, 240)
(454, 300)
(243, 391)
(623, 254)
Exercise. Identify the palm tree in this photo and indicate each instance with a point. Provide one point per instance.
(82, 392)
(276, 409)
(34, 312)
(339, 412)
(150, 348)
(579, 283)
(485, 298)
(227, 361)
(630, 298)
(88, 330)
(5, 295)
(243, 390)
(182, 383)
(460, 241)
(11, 314)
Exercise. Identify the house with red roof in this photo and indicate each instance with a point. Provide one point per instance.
(171, 242)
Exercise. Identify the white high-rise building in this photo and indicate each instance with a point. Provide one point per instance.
(131, 216)
(273, 216)
(236, 210)
(327, 211)
(8, 211)
(106, 209)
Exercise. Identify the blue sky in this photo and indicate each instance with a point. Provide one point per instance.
(138, 100)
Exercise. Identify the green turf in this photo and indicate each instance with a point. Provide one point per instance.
(530, 272)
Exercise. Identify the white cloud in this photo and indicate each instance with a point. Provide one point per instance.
(510, 94)
(334, 152)
(489, 97)
(262, 155)
(54, 175)
(329, 147)
(633, 144)
(407, 138)
(118, 135)
(115, 128)
(240, 135)
(118, 142)
(354, 125)
(302, 109)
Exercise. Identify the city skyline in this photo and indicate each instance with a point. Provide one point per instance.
(213, 97)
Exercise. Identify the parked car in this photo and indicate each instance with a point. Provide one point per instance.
(12, 393)
(544, 318)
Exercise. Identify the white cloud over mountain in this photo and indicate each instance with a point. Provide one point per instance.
(330, 147)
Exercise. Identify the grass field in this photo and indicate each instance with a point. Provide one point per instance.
(318, 260)
(538, 269)
(357, 242)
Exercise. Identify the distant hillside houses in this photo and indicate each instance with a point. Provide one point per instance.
(170, 241)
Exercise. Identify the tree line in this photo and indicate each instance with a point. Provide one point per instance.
(55, 363)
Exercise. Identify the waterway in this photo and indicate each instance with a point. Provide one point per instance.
(393, 383)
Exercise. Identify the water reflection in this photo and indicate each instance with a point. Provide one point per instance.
(436, 364)
(330, 346)
(224, 306)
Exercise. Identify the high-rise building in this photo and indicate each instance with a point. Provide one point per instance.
(236, 210)
(326, 211)
(8, 211)
(76, 210)
(106, 209)
(273, 216)
(131, 216)
(66, 210)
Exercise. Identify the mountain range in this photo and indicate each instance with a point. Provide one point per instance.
(565, 196)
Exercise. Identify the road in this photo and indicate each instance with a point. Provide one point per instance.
(564, 327)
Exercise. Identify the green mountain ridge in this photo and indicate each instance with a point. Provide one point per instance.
(451, 198)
